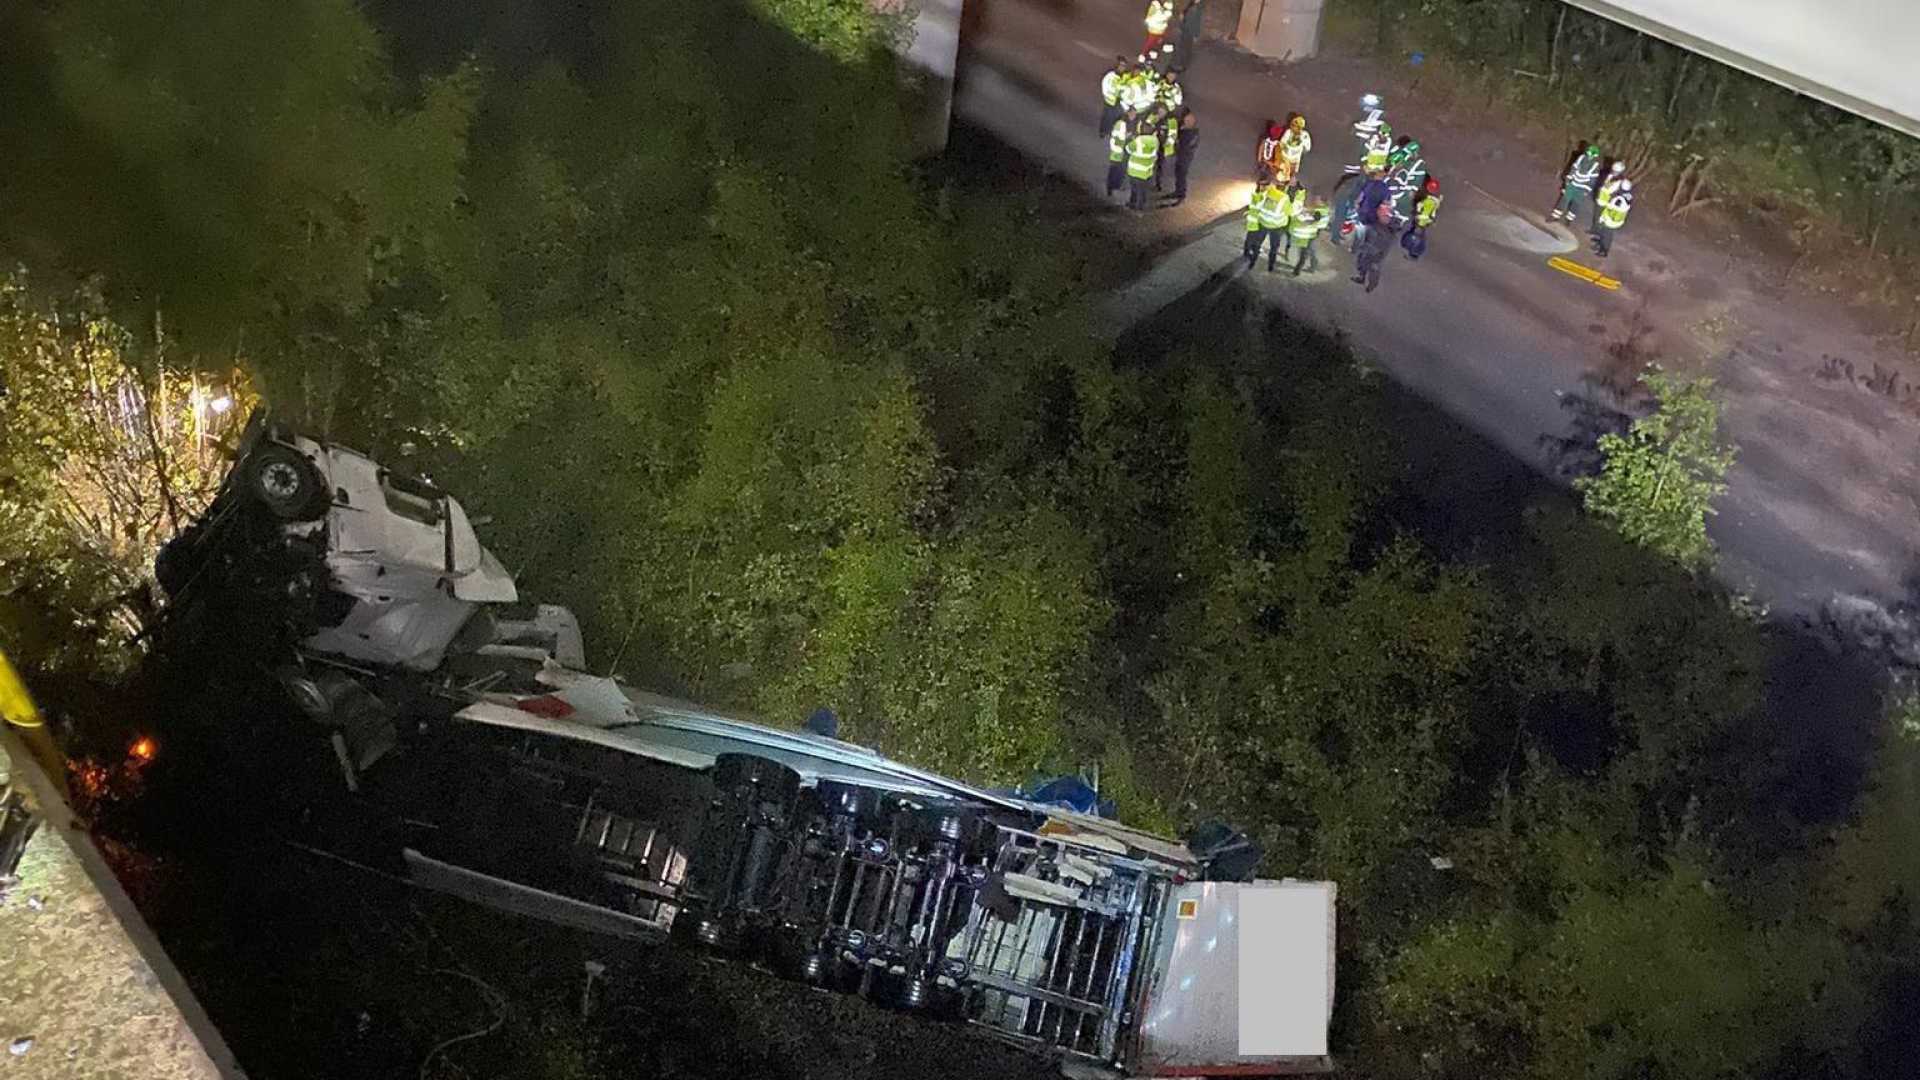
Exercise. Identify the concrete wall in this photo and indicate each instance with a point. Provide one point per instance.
(930, 58)
(1281, 29)
(85, 991)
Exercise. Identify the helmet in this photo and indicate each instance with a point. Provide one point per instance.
(1433, 186)
(1274, 131)
(1370, 101)
(1299, 123)
(1592, 150)
(1626, 185)
(1385, 128)
(1618, 166)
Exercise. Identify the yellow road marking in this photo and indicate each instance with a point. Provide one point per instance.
(1584, 273)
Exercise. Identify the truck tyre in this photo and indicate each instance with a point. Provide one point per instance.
(286, 483)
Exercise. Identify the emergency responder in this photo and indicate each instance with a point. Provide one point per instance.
(1169, 148)
(1372, 248)
(1256, 227)
(1268, 153)
(1117, 152)
(1425, 209)
(1143, 156)
(1405, 148)
(1183, 159)
(1294, 144)
(1167, 93)
(1112, 84)
(1372, 109)
(1576, 185)
(1276, 213)
(1267, 215)
(1366, 204)
(1140, 88)
(1159, 14)
(1616, 175)
(1296, 196)
(1308, 223)
(1379, 147)
(1613, 216)
(1405, 170)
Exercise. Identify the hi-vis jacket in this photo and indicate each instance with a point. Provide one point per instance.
(1586, 169)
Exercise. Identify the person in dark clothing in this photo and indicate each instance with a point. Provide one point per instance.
(1184, 152)
(1193, 19)
(1367, 201)
(1373, 247)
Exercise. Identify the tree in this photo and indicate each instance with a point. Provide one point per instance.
(105, 451)
(1659, 480)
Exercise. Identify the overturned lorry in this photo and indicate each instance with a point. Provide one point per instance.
(536, 787)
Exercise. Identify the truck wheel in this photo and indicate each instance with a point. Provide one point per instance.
(285, 483)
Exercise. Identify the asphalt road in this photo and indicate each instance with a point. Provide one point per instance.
(1822, 501)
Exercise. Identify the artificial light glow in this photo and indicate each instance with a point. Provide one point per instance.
(220, 404)
(143, 749)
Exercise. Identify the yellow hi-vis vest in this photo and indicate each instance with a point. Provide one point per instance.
(1378, 148)
(1142, 152)
(1117, 141)
(1110, 88)
(1159, 14)
(1137, 92)
(1425, 210)
(1277, 210)
(1294, 147)
(1614, 214)
(1253, 211)
(1306, 225)
(1171, 140)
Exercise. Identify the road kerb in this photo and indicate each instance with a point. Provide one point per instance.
(1585, 273)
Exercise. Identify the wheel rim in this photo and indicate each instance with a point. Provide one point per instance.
(279, 480)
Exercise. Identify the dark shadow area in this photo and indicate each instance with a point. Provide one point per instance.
(1804, 751)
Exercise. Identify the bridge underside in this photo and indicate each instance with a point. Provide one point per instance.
(1852, 54)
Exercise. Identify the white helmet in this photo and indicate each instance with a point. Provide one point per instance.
(1618, 166)
(1626, 185)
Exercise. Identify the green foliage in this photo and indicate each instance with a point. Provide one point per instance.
(1660, 478)
(104, 452)
(788, 427)
(1661, 105)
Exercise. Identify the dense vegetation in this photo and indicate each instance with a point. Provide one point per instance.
(791, 422)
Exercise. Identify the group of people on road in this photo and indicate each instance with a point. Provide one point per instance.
(1393, 196)
(1610, 208)
(1149, 129)
(1144, 118)
(1151, 132)
(1282, 214)
(1388, 197)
